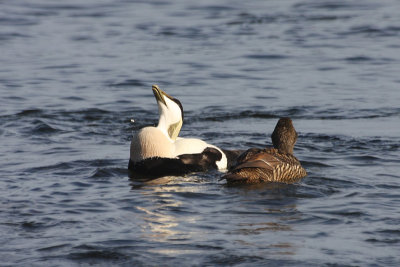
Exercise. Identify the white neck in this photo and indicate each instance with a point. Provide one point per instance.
(163, 125)
(170, 120)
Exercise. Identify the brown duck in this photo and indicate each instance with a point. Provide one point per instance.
(276, 164)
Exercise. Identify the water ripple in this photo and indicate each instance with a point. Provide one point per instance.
(75, 74)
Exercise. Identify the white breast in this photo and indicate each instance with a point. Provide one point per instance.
(151, 142)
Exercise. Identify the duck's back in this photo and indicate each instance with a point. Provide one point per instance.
(256, 165)
(189, 146)
(194, 146)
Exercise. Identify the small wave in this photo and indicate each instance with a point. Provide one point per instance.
(97, 256)
(130, 82)
(57, 166)
(366, 59)
(365, 159)
(372, 31)
(90, 14)
(212, 7)
(332, 5)
(331, 185)
(41, 127)
(17, 21)
(29, 112)
(81, 184)
(225, 76)
(358, 59)
(106, 172)
(73, 98)
(267, 56)
(296, 112)
(31, 225)
(383, 240)
(12, 35)
(53, 247)
(315, 164)
(75, 166)
(58, 6)
(248, 18)
(350, 146)
(328, 68)
(93, 114)
(337, 114)
(315, 187)
(324, 17)
(37, 225)
(195, 195)
(83, 38)
(348, 213)
(66, 66)
(183, 32)
(390, 232)
(223, 116)
(228, 259)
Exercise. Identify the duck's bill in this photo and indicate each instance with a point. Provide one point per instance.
(159, 94)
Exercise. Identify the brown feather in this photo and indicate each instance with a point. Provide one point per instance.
(268, 165)
(276, 164)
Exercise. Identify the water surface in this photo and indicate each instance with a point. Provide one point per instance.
(74, 74)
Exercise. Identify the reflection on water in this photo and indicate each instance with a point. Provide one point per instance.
(257, 227)
(158, 226)
(161, 225)
(137, 182)
(264, 232)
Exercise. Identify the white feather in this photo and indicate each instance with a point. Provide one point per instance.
(193, 145)
(156, 141)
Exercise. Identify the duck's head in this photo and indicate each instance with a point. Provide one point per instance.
(284, 136)
(171, 113)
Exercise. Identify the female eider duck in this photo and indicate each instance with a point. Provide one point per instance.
(276, 164)
(159, 150)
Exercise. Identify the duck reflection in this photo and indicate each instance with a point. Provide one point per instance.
(161, 215)
(158, 225)
(266, 237)
(262, 220)
(139, 180)
(138, 183)
(268, 220)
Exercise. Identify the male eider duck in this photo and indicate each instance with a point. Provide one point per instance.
(160, 147)
(276, 164)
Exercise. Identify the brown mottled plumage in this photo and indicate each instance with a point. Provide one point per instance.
(276, 164)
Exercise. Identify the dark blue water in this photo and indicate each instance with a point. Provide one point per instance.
(74, 73)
